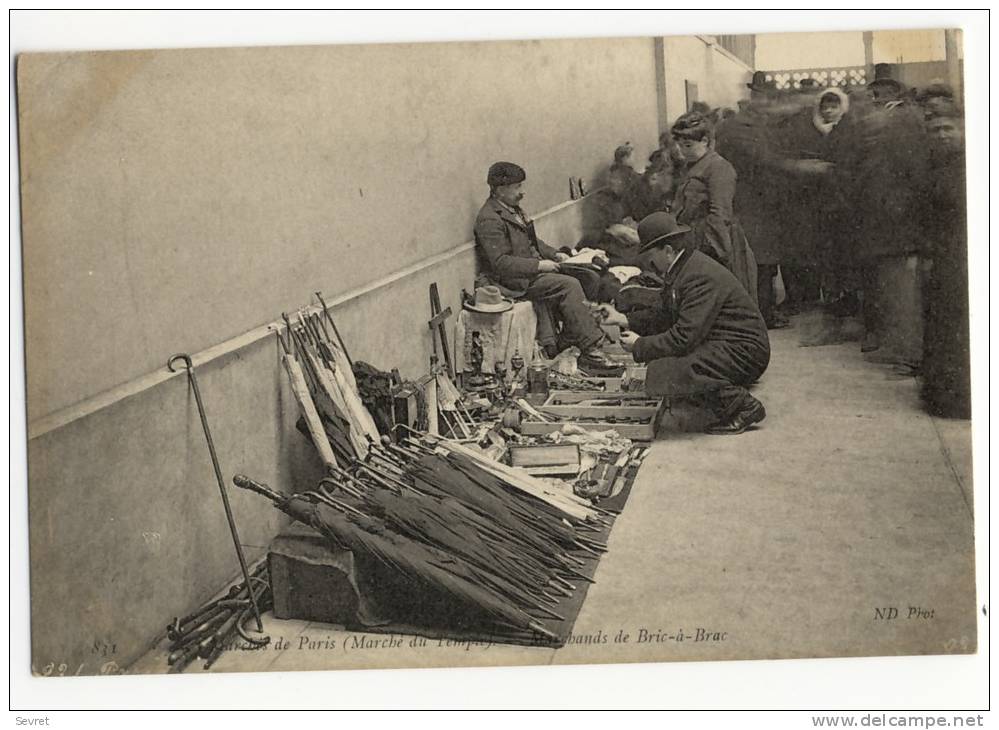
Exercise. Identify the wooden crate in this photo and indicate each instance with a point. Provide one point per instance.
(600, 399)
(613, 385)
(643, 431)
(546, 459)
(574, 410)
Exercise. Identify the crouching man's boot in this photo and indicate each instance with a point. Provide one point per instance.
(740, 413)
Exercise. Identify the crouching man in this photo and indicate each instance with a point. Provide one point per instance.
(514, 257)
(712, 341)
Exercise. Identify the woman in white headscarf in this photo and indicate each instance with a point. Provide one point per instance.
(819, 147)
(830, 108)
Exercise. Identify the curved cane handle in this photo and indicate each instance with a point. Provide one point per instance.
(180, 356)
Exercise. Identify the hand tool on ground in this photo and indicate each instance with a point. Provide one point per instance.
(218, 473)
(437, 319)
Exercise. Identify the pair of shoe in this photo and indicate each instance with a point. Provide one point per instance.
(752, 411)
(596, 363)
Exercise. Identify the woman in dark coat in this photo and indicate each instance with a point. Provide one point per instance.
(704, 201)
(818, 154)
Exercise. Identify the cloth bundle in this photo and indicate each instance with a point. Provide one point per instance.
(594, 442)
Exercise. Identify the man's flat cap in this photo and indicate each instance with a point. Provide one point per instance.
(505, 173)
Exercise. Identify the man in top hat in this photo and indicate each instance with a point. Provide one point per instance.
(808, 85)
(884, 89)
(713, 340)
(512, 255)
(759, 86)
(892, 160)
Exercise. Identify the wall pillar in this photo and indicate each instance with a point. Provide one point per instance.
(869, 55)
(952, 49)
(662, 108)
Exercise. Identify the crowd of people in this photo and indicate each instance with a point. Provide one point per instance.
(848, 199)
(852, 200)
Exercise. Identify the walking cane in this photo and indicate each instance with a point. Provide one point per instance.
(218, 476)
(329, 318)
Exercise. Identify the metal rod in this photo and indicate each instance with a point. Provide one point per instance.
(343, 346)
(218, 476)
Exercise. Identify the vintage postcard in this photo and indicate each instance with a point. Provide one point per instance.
(524, 352)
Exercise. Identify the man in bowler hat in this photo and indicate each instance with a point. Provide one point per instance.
(513, 257)
(713, 340)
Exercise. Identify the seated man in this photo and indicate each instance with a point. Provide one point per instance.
(603, 212)
(514, 257)
(713, 340)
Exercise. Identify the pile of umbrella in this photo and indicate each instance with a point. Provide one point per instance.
(446, 520)
(217, 625)
(322, 380)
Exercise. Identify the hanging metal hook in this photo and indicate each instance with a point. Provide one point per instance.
(180, 356)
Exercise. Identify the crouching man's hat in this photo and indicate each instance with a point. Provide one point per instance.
(505, 173)
(657, 229)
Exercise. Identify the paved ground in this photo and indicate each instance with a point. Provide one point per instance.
(783, 542)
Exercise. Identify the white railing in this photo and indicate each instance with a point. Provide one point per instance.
(843, 76)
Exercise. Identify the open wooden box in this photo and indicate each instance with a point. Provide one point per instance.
(619, 388)
(637, 427)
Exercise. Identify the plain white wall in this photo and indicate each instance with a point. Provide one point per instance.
(174, 199)
(721, 81)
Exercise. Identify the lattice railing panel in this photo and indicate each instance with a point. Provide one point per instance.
(844, 76)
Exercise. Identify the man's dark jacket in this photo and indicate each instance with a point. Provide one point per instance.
(716, 334)
(509, 251)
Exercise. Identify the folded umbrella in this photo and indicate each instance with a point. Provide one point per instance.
(409, 558)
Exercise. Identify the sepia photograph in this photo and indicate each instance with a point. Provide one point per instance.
(539, 350)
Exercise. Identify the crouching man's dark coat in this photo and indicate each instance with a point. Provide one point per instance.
(716, 335)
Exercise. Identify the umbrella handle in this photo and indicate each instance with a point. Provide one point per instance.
(244, 482)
